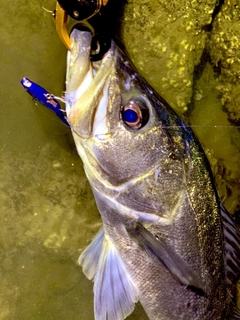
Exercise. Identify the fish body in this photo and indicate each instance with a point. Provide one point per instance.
(44, 97)
(166, 240)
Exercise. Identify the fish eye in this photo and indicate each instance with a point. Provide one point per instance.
(135, 114)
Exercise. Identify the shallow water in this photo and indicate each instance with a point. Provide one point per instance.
(48, 214)
(45, 198)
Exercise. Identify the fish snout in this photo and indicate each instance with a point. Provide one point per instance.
(87, 86)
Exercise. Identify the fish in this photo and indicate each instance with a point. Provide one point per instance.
(166, 239)
(45, 98)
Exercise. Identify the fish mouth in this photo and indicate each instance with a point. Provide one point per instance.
(86, 85)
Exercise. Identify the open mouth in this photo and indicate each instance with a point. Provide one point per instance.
(78, 59)
(86, 83)
(100, 43)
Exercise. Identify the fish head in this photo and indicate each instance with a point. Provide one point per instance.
(120, 125)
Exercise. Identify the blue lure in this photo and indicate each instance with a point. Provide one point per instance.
(44, 97)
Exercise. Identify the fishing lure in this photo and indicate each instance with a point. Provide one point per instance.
(91, 14)
(44, 97)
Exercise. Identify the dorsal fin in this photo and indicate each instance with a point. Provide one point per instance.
(236, 314)
(232, 248)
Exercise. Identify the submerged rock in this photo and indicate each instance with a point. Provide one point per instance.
(225, 53)
(165, 40)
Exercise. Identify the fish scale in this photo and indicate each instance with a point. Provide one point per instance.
(166, 240)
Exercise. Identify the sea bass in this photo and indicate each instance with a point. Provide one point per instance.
(166, 240)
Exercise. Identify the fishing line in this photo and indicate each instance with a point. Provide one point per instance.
(201, 126)
(165, 127)
(53, 12)
(50, 11)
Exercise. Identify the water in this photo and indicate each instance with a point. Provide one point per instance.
(45, 198)
(48, 215)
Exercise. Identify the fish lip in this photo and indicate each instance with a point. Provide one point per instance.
(100, 43)
(85, 83)
(78, 57)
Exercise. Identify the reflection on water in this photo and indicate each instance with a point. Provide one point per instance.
(48, 214)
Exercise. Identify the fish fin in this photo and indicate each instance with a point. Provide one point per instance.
(114, 291)
(232, 249)
(115, 294)
(90, 256)
(236, 313)
(161, 252)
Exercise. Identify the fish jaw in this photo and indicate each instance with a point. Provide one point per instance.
(86, 87)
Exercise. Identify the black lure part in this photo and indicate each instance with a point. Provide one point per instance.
(79, 10)
(105, 20)
(100, 43)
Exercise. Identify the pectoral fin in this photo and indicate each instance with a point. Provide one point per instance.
(114, 291)
(161, 252)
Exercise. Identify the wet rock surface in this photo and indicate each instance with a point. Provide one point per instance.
(180, 48)
(225, 54)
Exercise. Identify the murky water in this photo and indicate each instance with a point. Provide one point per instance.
(45, 198)
(48, 214)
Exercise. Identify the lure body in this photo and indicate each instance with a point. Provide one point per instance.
(44, 97)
